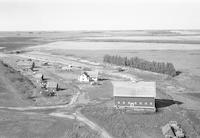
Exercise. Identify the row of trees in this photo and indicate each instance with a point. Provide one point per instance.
(135, 62)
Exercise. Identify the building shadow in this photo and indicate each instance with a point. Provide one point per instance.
(46, 79)
(34, 70)
(178, 73)
(102, 79)
(160, 103)
(61, 89)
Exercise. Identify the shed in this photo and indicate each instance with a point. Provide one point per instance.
(51, 85)
(139, 95)
(93, 75)
(67, 68)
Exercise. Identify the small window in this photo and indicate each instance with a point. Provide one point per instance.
(135, 102)
(145, 103)
(140, 103)
(129, 103)
(123, 102)
(118, 102)
(150, 103)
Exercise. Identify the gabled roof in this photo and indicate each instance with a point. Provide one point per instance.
(86, 74)
(132, 89)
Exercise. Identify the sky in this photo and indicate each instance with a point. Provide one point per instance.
(62, 15)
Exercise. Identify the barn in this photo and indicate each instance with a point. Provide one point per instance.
(140, 95)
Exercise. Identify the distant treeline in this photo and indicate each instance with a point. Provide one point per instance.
(135, 62)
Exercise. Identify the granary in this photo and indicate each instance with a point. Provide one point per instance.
(140, 95)
(52, 86)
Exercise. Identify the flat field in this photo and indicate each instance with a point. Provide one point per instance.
(183, 60)
(91, 106)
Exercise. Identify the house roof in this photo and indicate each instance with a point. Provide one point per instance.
(93, 74)
(131, 89)
(86, 74)
(52, 84)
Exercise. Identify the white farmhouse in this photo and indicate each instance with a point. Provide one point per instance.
(88, 76)
(84, 77)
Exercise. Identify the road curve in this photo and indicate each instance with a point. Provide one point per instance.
(77, 115)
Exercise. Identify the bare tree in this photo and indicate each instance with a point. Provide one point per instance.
(33, 66)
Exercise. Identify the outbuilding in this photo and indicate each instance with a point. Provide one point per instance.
(139, 95)
(52, 86)
(93, 75)
(67, 68)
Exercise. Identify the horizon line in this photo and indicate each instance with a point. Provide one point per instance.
(92, 30)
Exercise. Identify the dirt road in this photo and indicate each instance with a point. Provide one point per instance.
(78, 116)
(94, 126)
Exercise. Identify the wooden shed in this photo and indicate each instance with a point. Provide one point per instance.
(139, 95)
(52, 86)
(93, 75)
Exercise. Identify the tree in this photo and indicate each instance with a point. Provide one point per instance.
(33, 66)
(135, 62)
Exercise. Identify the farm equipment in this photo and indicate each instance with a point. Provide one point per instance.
(173, 130)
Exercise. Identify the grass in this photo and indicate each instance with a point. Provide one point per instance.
(27, 124)
(103, 90)
(116, 122)
(182, 60)
(17, 89)
(11, 43)
(196, 95)
(79, 130)
(123, 124)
